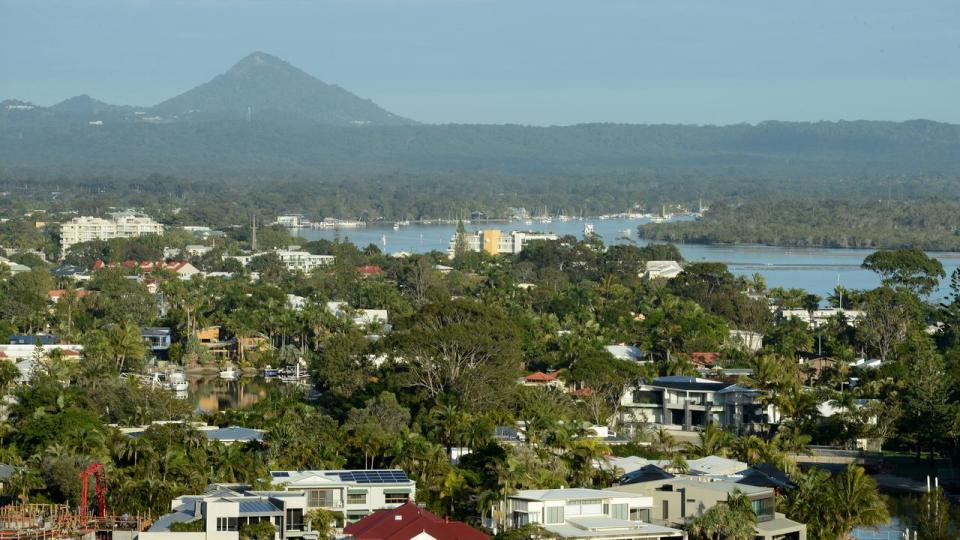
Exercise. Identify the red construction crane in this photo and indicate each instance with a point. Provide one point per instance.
(100, 476)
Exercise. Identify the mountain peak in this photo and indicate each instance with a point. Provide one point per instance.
(271, 89)
(84, 104)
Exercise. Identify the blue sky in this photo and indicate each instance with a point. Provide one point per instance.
(537, 62)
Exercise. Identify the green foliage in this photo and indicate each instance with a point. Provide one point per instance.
(261, 530)
(190, 526)
(911, 269)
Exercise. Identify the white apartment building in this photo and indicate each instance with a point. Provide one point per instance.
(580, 513)
(292, 257)
(497, 242)
(355, 493)
(120, 225)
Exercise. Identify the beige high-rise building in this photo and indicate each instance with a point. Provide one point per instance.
(119, 225)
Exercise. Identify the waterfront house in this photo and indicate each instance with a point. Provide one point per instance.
(157, 338)
(220, 511)
(689, 403)
(677, 500)
(580, 513)
(661, 270)
(354, 493)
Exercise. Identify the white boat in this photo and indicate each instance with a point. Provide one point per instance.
(658, 219)
(396, 226)
(229, 374)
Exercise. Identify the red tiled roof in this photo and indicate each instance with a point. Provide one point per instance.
(146, 266)
(407, 521)
(705, 358)
(57, 293)
(370, 269)
(542, 377)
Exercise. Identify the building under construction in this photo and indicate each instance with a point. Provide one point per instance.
(57, 521)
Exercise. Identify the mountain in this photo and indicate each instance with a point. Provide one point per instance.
(270, 87)
(86, 106)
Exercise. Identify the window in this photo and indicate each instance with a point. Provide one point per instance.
(320, 498)
(294, 519)
(763, 508)
(647, 397)
(620, 511)
(665, 510)
(554, 515)
(356, 498)
(396, 498)
(227, 524)
(640, 514)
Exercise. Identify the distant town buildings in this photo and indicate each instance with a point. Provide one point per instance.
(295, 259)
(497, 242)
(127, 224)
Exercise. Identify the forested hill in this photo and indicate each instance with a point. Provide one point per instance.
(36, 140)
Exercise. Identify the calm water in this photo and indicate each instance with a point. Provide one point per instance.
(816, 270)
(210, 393)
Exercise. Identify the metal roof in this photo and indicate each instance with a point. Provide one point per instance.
(257, 507)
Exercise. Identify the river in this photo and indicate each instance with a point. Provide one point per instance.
(817, 270)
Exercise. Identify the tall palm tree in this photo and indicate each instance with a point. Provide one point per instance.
(125, 343)
(714, 441)
(856, 501)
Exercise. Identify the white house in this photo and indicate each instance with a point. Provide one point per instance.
(661, 269)
(586, 513)
(355, 493)
(222, 509)
(744, 339)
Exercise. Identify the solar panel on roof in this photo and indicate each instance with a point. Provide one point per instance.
(281, 474)
(253, 507)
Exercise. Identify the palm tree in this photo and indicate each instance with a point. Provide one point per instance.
(714, 441)
(733, 519)
(125, 343)
(856, 501)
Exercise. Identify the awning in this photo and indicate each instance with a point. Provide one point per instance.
(397, 491)
(352, 491)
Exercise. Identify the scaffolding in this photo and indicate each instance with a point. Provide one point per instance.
(56, 521)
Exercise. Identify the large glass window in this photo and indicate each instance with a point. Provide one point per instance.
(648, 397)
(396, 498)
(620, 511)
(554, 514)
(640, 514)
(320, 498)
(763, 508)
(294, 519)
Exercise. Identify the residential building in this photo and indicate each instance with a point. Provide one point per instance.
(689, 403)
(183, 269)
(190, 250)
(539, 378)
(292, 221)
(77, 273)
(410, 522)
(225, 435)
(676, 500)
(54, 295)
(497, 242)
(157, 338)
(705, 466)
(223, 508)
(12, 267)
(586, 513)
(355, 493)
(628, 353)
(363, 318)
(33, 339)
(819, 317)
(120, 225)
(744, 339)
(661, 270)
(292, 257)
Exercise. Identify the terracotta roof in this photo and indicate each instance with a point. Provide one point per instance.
(705, 358)
(57, 293)
(542, 377)
(408, 521)
(146, 266)
(370, 269)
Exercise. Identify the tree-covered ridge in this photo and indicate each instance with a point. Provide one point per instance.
(932, 225)
(273, 145)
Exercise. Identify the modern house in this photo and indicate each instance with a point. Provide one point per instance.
(497, 242)
(586, 513)
(689, 403)
(120, 225)
(223, 509)
(661, 270)
(354, 493)
(410, 522)
(676, 500)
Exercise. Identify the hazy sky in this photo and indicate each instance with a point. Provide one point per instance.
(512, 61)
